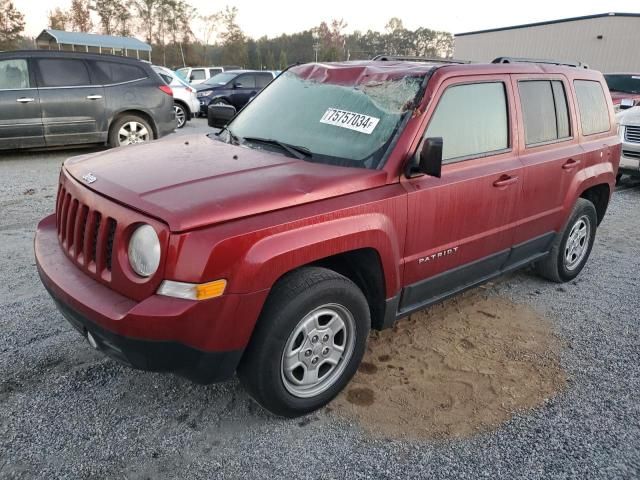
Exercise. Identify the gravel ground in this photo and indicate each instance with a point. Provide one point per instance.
(68, 412)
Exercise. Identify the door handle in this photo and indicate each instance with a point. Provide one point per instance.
(505, 181)
(25, 100)
(94, 97)
(571, 163)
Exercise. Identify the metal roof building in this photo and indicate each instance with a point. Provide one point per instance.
(90, 42)
(607, 42)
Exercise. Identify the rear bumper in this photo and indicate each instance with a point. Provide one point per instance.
(202, 341)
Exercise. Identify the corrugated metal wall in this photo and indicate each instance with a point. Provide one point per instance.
(618, 51)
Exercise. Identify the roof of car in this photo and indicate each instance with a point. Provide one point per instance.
(359, 72)
(66, 54)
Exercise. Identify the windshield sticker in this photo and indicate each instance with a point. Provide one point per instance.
(351, 120)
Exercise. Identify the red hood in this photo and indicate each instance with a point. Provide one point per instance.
(193, 181)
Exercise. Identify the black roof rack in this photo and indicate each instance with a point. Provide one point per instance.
(405, 58)
(535, 60)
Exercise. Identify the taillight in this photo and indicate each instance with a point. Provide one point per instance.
(166, 89)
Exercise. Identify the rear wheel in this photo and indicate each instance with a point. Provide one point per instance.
(571, 248)
(181, 114)
(130, 130)
(308, 343)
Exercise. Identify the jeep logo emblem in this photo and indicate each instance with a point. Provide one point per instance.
(89, 178)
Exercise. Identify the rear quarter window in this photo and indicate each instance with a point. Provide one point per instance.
(592, 104)
(114, 72)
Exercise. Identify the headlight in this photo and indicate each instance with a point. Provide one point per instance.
(144, 251)
(205, 94)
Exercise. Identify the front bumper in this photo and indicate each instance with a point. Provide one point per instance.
(202, 341)
(630, 159)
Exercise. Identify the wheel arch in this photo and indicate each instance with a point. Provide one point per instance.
(599, 195)
(140, 113)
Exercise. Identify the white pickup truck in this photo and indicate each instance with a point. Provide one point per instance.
(630, 137)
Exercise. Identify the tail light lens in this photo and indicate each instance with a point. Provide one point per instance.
(166, 89)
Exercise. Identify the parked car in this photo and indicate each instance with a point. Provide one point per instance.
(342, 198)
(196, 75)
(54, 98)
(624, 89)
(185, 100)
(235, 88)
(630, 137)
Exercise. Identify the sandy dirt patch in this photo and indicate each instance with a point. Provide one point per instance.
(458, 368)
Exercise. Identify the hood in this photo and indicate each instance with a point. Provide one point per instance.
(204, 86)
(194, 181)
(629, 117)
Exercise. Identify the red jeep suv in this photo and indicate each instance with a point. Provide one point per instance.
(343, 197)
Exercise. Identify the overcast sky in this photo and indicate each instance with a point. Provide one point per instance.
(273, 17)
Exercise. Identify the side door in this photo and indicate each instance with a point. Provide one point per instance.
(244, 87)
(73, 110)
(551, 156)
(20, 118)
(461, 226)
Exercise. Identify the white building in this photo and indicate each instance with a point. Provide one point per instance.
(609, 42)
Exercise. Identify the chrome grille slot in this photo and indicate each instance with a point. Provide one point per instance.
(630, 154)
(632, 134)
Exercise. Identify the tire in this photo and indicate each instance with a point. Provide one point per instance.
(220, 101)
(565, 261)
(318, 299)
(182, 114)
(126, 122)
(618, 177)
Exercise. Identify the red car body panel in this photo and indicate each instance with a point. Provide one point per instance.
(251, 216)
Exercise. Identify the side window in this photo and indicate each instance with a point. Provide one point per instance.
(14, 74)
(214, 71)
(62, 72)
(113, 72)
(472, 120)
(263, 79)
(594, 112)
(247, 81)
(545, 111)
(197, 74)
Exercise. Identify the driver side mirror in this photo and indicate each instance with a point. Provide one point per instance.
(429, 158)
(219, 115)
(237, 85)
(626, 103)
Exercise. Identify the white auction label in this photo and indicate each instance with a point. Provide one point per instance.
(351, 120)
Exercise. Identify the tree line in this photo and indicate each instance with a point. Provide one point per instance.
(181, 36)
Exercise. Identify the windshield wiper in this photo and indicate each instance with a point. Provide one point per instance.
(300, 153)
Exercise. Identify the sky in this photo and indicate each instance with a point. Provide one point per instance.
(271, 18)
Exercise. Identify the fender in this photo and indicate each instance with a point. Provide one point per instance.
(598, 174)
(273, 256)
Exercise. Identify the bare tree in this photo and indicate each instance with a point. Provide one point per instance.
(11, 25)
(58, 19)
(210, 27)
(80, 16)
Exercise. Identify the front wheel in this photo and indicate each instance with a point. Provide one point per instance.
(571, 248)
(308, 343)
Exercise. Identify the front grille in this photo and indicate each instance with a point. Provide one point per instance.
(632, 134)
(630, 154)
(84, 234)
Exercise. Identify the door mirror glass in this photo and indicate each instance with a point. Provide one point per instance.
(237, 85)
(219, 115)
(430, 157)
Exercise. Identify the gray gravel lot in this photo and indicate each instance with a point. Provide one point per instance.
(68, 412)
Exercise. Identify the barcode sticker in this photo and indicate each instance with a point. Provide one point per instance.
(351, 120)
